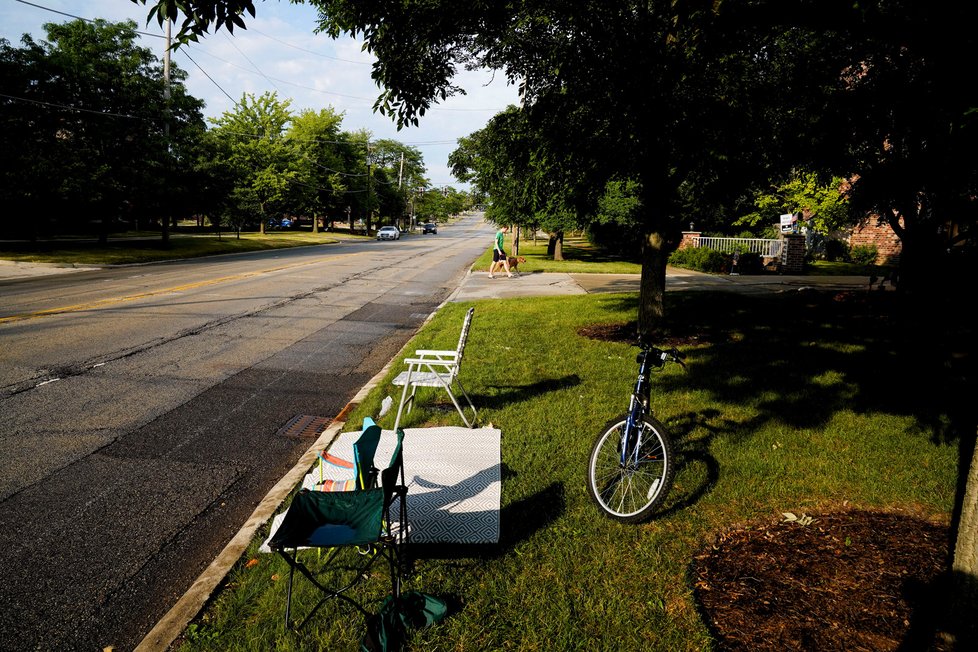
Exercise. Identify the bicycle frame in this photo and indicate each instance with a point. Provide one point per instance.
(637, 408)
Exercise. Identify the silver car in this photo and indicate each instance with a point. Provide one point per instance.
(388, 233)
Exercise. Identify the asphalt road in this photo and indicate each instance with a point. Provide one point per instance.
(143, 409)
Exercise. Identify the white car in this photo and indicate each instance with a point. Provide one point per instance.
(388, 233)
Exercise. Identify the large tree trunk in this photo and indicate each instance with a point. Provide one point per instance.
(651, 307)
(964, 580)
(555, 247)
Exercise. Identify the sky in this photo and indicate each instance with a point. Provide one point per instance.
(280, 53)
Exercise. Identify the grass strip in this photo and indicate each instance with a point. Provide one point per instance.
(790, 403)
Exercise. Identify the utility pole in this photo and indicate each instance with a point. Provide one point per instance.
(370, 208)
(400, 182)
(166, 121)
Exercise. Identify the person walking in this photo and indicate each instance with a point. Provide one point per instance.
(499, 254)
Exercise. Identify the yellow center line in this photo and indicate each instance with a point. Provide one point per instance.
(178, 288)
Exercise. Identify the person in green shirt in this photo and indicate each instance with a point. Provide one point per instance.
(499, 254)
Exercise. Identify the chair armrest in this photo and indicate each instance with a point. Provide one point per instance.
(428, 362)
(439, 354)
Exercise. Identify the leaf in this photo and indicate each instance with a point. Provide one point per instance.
(788, 516)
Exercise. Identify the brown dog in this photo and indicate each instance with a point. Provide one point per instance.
(514, 263)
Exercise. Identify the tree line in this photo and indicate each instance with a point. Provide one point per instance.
(98, 139)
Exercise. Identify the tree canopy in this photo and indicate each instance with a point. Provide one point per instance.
(88, 136)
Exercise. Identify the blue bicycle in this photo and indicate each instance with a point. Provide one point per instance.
(630, 470)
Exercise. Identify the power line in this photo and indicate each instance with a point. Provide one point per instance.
(72, 108)
(253, 65)
(233, 101)
(87, 20)
(318, 54)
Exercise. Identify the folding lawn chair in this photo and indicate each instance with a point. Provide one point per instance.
(362, 466)
(367, 524)
(433, 368)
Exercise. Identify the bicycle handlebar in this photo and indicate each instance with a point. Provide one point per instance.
(660, 356)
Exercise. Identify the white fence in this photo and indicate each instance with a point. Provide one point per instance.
(761, 246)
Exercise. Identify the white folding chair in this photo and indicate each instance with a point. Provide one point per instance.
(431, 368)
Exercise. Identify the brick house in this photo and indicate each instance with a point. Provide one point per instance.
(874, 231)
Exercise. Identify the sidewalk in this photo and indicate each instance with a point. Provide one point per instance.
(477, 285)
(12, 269)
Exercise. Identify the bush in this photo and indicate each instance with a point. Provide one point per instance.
(749, 262)
(700, 259)
(864, 254)
(836, 251)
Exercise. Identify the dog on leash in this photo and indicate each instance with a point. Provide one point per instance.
(514, 263)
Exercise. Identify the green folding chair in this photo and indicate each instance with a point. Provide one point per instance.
(366, 524)
(364, 473)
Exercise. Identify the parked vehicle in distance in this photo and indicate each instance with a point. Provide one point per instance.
(429, 227)
(388, 233)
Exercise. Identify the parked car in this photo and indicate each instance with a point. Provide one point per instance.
(429, 227)
(388, 233)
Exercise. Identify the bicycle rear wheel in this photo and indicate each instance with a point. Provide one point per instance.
(630, 492)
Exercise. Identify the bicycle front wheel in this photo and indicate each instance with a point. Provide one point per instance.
(630, 491)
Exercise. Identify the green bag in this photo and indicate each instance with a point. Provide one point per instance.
(387, 630)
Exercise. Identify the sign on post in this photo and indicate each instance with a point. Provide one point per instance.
(786, 221)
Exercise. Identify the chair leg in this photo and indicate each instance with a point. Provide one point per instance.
(475, 413)
(288, 595)
(359, 573)
(400, 406)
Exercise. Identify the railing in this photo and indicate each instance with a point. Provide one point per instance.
(761, 246)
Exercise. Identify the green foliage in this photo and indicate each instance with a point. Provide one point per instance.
(864, 254)
(749, 262)
(701, 259)
(836, 250)
(83, 130)
(823, 204)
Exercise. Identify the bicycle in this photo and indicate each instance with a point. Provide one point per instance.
(630, 470)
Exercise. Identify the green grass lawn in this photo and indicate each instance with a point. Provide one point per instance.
(148, 247)
(790, 403)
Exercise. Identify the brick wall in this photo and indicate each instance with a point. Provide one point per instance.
(689, 239)
(873, 231)
(792, 254)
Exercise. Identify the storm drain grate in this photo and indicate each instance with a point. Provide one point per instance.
(304, 426)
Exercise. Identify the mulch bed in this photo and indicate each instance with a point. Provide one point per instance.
(851, 580)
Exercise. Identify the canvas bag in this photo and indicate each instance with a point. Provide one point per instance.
(387, 630)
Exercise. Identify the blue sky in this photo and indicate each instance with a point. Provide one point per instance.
(280, 53)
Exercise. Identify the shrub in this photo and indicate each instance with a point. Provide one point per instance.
(749, 262)
(836, 250)
(864, 254)
(700, 259)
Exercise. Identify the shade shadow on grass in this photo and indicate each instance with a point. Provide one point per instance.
(508, 395)
(518, 521)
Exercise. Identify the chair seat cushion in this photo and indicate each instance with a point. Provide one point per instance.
(317, 518)
(423, 379)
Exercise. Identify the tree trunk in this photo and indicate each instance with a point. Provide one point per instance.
(555, 247)
(652, 290)
(315, 223)
(964, 580)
